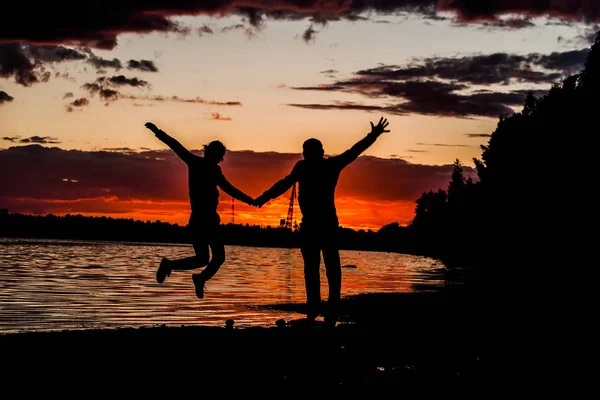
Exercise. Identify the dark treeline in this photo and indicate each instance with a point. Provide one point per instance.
(390, 238)
(517, 225)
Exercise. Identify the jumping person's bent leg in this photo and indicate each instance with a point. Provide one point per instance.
(198, 261)
(217, 259)
(212, 235)
(183, 264)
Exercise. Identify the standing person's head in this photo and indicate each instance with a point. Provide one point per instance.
(312, 149)
(214, 151)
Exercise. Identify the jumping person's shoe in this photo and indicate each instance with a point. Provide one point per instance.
(199, 285)
(163, 270)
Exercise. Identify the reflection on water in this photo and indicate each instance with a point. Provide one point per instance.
(61, 284)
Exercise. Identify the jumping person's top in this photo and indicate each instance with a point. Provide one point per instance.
(317, 180)
(203, 179)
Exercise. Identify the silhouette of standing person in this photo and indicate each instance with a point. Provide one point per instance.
(317, 178)
(204, 176)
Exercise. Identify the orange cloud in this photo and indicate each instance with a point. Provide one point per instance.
(151, 185)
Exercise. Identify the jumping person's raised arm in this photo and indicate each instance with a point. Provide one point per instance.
(279, 188)
(233, 191)
(177, 147)
(352, 154)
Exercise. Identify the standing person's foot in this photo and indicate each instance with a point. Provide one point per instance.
(163, 271)
(199, 285)
(329, 322)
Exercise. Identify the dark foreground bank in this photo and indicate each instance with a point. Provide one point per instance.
(422, 342)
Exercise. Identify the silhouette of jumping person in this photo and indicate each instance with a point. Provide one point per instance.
(204, 176)
(317, 178)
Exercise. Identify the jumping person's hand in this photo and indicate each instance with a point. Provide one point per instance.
(380, 128)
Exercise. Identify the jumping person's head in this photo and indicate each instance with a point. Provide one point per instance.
(214, 151)
(312, 149)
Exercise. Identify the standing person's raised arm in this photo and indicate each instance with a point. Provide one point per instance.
(177, 147)
(352, 154)
(279, 187)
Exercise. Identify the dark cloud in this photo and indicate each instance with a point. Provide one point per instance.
(120, 149)
(142, 65)
(32, 139)
(309, 34)
(248, 31)
(478, 135)
(53, 54)
(72, 22)
(509, 23)
(121, 80)
(102, 87)
(449, 86)
(27, 64)
(574, 10)
(233, 28)
(104, 92)
(205, 29)
(497, 68)
(347, 105)
(5, 97)
(569, 61)
(197, 100)
(100, 63)
(589, 36)
(422, 97)
(219, 117)
(82, 102)
(40, 140)
(68, 95)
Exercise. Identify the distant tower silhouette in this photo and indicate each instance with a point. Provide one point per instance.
(232, 221)
(289, 222)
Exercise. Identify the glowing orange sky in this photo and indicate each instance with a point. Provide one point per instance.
(152, 185)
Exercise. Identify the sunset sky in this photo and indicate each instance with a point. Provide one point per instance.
(79, 80)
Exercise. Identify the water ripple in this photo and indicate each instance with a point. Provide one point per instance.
(62, 284)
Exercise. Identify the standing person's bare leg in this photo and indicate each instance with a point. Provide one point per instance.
(333, 267)
(312, 279)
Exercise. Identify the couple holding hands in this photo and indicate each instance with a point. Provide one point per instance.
(317, 177)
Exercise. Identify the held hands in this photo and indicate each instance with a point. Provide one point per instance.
(380, 128)
(259, 201)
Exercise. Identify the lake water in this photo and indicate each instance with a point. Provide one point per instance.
(63, 284)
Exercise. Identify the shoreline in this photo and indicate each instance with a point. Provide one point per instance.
(382, 341)
(182, 243)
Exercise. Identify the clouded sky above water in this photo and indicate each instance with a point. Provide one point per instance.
(263, 77)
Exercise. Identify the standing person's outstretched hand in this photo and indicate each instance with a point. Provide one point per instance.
(380, 128)
(153, 127)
